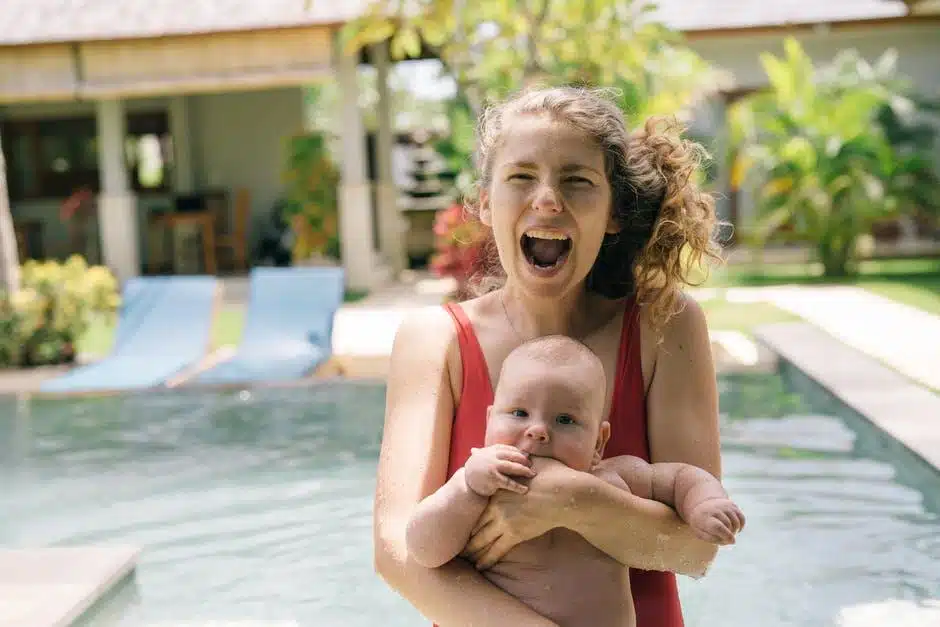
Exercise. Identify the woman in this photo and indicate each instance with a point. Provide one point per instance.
(590, 224)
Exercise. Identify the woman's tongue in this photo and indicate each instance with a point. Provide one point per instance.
(545, 252)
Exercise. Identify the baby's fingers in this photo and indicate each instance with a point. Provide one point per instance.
(512, 454)
(737, 517)
(514, 469)
(716, 531)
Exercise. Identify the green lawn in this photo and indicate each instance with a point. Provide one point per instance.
(915, 282)
(226, 329)
(723, 315)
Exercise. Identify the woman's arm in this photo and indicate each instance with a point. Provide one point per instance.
(682, 410)
(682, 419)
(412, 465)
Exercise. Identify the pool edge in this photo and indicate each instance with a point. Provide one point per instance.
(65, 583)
(899, 407)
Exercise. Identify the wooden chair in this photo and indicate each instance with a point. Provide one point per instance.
(233, 236)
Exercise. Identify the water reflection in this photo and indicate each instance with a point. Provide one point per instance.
(258, 507)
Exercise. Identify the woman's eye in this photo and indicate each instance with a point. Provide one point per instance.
(565, 419)
(579, 180)
(519, 413)
(521, 176)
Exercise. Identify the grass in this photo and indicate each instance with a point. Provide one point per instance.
(226, 328)
(914, 282)
(723, 315)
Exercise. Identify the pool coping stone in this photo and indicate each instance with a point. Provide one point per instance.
(55, 586)
(903, 409)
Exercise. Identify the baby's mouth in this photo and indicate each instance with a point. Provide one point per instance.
(544, 248)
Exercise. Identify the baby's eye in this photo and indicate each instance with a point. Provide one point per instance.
(519, 413)
(565, 419)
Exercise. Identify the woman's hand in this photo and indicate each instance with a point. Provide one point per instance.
(511, 519)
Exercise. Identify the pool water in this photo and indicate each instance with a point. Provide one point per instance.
(257, 507)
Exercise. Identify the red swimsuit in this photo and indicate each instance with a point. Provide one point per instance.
(655, 594)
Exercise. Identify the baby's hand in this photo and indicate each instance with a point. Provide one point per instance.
(717, 521)
(490, 469)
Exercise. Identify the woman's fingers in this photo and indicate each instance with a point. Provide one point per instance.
(513, 486)
(482, 539)
(484, 520)
(494, 552)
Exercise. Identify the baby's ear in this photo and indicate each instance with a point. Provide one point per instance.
(603, 435)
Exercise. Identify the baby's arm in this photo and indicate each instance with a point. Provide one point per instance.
(696, 495)
(442, 523)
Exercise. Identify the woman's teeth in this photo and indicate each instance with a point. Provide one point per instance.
(542, 234)
(545, 249)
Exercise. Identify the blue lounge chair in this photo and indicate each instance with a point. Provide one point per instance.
(163, 327)
(289, 327)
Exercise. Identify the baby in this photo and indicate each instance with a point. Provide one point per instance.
(549, 402)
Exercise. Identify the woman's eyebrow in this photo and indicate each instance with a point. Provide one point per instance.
(570, 167)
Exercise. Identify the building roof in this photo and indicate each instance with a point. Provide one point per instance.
(705, 15)
(42, 21)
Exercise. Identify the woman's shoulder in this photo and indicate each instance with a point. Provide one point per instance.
(688, 319)
(426, 327)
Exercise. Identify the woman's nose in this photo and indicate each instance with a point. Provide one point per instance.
(546, 199)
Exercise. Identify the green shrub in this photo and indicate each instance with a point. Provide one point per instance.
(41, 322)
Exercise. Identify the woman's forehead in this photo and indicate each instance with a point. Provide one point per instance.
(537, 139)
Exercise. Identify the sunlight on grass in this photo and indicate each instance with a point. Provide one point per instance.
(923, 293)
(723, 315)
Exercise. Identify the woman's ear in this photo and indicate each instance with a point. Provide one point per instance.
(613, 227)
(486, 213)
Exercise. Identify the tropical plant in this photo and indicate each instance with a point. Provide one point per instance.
(826, 168)
(312, 183)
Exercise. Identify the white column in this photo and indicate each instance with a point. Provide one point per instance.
(117, 206)
(391, 223)
(182, 144)
(355, 199)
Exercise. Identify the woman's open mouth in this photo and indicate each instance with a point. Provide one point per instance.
(545, 250)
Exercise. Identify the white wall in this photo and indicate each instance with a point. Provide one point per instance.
(918, 48)
(239, 140)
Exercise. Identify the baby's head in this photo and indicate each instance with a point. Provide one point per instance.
(550, 402)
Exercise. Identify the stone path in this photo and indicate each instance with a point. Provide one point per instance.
(903, 337)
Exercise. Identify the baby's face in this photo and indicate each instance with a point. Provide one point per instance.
(550, 411)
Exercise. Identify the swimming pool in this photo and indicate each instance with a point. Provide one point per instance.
(258, 507)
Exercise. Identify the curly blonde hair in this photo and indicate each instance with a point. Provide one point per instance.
(667, 224)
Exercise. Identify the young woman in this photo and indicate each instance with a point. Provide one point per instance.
(590, 224)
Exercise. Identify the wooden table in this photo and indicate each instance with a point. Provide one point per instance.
(205, 220)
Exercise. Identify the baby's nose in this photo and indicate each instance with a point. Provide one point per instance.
(537, 432)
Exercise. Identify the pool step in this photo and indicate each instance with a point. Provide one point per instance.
(53, 587)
